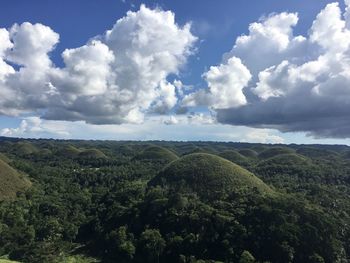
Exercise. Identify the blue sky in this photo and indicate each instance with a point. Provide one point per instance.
(215, 27)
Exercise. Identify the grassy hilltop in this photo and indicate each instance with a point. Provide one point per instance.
(208, 176)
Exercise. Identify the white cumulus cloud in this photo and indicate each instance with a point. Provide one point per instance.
(298, 83)
(225, 86)
(118, 76)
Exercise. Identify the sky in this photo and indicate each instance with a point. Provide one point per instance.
(265, 71)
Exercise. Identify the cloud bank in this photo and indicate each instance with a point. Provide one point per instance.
(193, 127)
(116, 77)
(274, 79)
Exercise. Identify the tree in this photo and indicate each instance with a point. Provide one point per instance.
(122, 247)
(152, 244)
(246, 257)
(316, 258)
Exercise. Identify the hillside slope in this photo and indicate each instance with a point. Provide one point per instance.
(11, 181)
(156, 153)
(208, 176)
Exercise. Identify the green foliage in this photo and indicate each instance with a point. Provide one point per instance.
(92, 201)
(4, 158)
(75, 259)
(208, 176)
(92, 154)
(24, 148)
(11, 181)
(204, 149)
(275, 151)
(235, 157)
(316, 153)
(69, 151)
(151, 245)
(248, 153)
(246, 257)
(315, 258)
(155, 153)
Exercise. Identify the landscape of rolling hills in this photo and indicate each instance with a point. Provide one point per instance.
(159, 201)
(160, 131)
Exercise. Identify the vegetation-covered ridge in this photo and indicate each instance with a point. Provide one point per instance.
(111, 201)
(156, 153)
(209, 176)
(11, 181)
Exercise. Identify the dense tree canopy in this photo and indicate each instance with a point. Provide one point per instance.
(106, 201)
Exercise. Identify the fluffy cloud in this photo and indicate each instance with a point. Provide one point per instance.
(225, 85)
(262, 136)
(298, 83)
(31, 45)
(269, 42)
(5, 44)
(116, 77)
(87, 70)
(27, 46)
(347, 13)
(271, 78)
(35, 127)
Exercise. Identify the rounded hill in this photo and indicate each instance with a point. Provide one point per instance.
(234, 157)
(92, 154)
(45, 152)
(69, 151)
(289, 159)
(248, 153)
(312, 152)
(125, 149)
(11, 181)
(207, 150)
(156, 153)
(25, 148)
(274, 152)
(259, 148)
(290, 165)
(4, 158)
(208, 176)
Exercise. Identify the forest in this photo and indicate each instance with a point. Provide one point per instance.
(187, 202)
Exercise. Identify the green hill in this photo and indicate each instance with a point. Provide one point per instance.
(317, 153)
(185, 148)
(25, 148)
(92, 154)
(156, 153)
(248, 153)
(201, 150)
(209, 176)
(45, 152)
(274, 152)
(346, 155)
(11, 181)
(234, 157)
(284, 167)
(289, 159)
(125, 149)
(4, 158)
(259, 148)
(69, 151)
